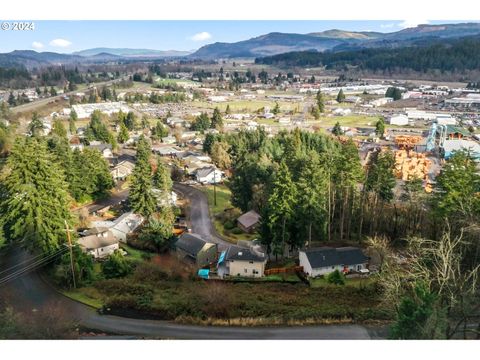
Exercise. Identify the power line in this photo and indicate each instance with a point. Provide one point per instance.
(38, 263)
(23, 262)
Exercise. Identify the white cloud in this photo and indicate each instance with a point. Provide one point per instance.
(201, 36)
(412, 23)
(60, 43)
(37, 45)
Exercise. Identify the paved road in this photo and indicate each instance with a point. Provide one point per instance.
(199, 216)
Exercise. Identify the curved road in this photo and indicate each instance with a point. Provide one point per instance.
(199, 215)
(30, 292)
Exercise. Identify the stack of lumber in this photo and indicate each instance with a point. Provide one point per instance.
(407, 141)
(410, 165)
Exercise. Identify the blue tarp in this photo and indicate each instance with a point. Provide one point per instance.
(221, 258)
(203, 273)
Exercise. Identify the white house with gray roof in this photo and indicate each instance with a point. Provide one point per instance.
(209, 175)
(324, 260)
(242, 262)
(123, 226)
(99, 243)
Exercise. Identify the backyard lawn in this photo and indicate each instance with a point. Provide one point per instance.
(223, 203)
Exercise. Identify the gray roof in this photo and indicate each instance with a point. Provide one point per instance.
(205, 171)
(328, 256)
(101, 147)
(249, 219)
(192, 244)
(98, 240)
(238, 253)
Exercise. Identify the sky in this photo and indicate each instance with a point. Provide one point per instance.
(71, 36)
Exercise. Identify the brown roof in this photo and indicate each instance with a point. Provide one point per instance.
(249, 219)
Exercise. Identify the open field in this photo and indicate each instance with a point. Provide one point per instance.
(248, 106)
(349, 120)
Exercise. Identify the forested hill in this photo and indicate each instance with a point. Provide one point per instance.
(446, 56)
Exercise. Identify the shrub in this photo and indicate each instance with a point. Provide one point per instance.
(229, 225)
(336, 277)
(237, 231)
(116, 266)
(150, 273)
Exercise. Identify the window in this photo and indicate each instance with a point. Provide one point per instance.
(246, 271)
(254, 271)
(251, 262)
(333, 267)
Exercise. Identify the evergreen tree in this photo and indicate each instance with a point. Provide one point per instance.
(72, 127)
(217, 121)
(91, 175)
(227, 110)
(11, 99)
(281, 208)
(413, 314)
(159, 131)
(315, 112)
(36, 126)
(380, 127)
(340, 96)
(320, 102)
(35, 204)
(58, 129)
(141, 197)
(162, 179)
(381, 179)
(337, 129)
(458, 186)
(311, 209)
(202, 123)
(220, 155)
(276, 109)
(73, 115)
(123, 134)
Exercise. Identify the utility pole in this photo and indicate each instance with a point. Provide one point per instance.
(71, 254)
(214, 187)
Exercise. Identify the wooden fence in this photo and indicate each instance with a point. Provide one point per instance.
(289, 270)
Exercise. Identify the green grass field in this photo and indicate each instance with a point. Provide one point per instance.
(87, 295)
(247, 106)
(349, 120)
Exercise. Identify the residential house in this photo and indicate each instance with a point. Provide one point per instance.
(105, 149)
(324, 260)
(123, 226)
(249, 221)
(122, 170)
(194, 248)
(209, 175)
(245, 262)
(100, 242)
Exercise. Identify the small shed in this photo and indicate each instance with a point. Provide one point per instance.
(249, 221)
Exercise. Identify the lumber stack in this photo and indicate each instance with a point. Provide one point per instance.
(407, 141)
(410, 165)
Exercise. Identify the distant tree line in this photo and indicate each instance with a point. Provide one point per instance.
(448, 56)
